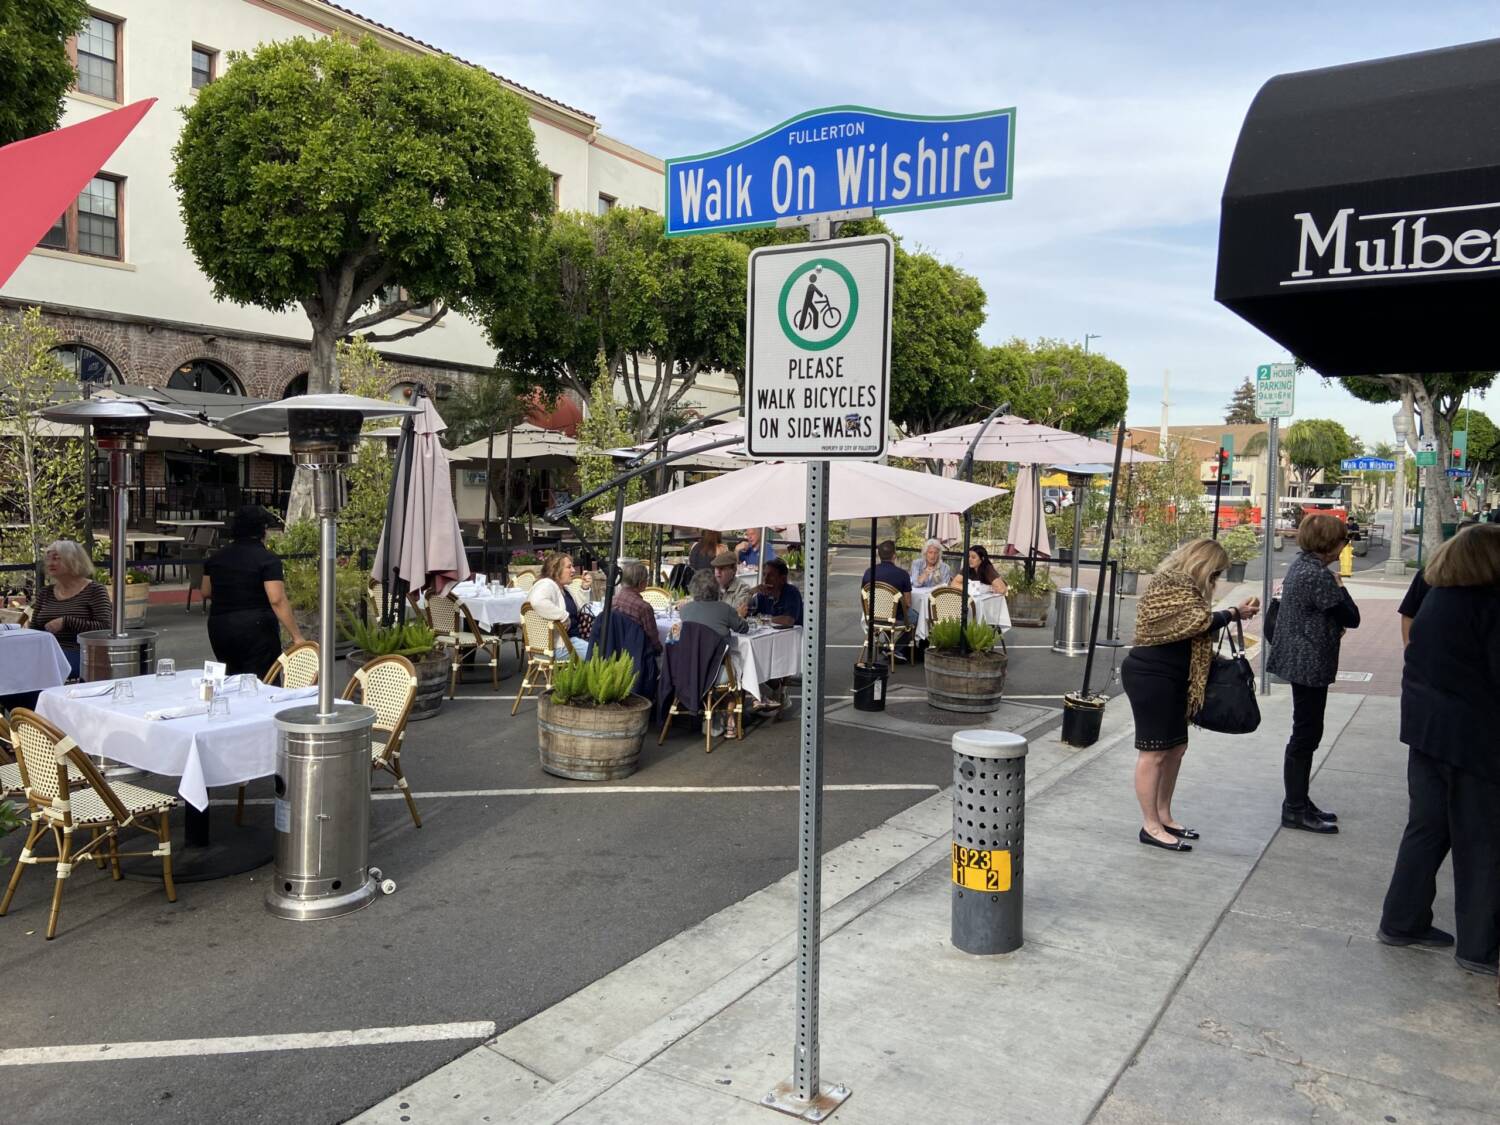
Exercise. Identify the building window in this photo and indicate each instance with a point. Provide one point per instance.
(92, 224)
(557, 191)
(204, 62)
(86, 365)
(390, 294)
(207, 376)
(606, 203)
(98, 50)
(298, 386)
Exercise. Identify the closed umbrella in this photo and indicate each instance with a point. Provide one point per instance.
(421, 546)
(946, 527)
(1028, 531)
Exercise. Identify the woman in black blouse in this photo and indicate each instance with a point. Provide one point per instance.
(980, 569)
(74, 603)
(247, 585)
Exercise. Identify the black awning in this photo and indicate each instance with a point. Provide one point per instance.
(1360, 226)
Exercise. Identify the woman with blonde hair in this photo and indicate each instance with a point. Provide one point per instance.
(1315, 612)
(1450, 681)
(1166, 673)
(550, 597)
(74, 603)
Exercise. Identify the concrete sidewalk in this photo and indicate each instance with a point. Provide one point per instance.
(1239, 983)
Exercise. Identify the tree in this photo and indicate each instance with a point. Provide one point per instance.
(1484, 450)
(1057, 384)
(34, 60)
(1437, 398)
(361, 184)
(606, 426)
(1241, 408)
(938, 377)
(1316, 445)
(483, 408)
(41, 477)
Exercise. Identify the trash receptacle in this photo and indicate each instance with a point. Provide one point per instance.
(322, 813)
(870, 681)
(989, 820)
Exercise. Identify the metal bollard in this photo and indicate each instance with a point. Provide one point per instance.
(989, 827)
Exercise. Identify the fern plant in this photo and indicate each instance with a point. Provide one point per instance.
(594, 682)
(415, 638)
(944, 636)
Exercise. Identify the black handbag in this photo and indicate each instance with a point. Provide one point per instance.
(1229, 705)
(1268, 628)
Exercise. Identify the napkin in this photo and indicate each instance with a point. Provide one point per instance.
(184, 712)
(294, 693)
(91, 692)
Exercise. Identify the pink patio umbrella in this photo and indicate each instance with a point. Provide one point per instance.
(1012, 438)
(946, 527)
(41, 175)
(1027, 534)
(421, 546)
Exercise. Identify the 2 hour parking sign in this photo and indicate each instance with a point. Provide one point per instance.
(818, 349)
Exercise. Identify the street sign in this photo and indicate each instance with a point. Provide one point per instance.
(1427, 452)
(1275, 390)
(1367, 465)
(818, 349)
(1460, 474)
(843, 158)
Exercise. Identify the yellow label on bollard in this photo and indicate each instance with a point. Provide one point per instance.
(1346, 561)
(976, 870)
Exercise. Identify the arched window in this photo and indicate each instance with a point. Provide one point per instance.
(205, 375)
(86, 365)
(298, 386)
(402, 392)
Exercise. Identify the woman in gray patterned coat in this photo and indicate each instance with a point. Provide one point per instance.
(1315, 611)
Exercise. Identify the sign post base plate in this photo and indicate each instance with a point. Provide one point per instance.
(784, 1099)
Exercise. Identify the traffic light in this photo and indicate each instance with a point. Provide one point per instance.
(1460, 449)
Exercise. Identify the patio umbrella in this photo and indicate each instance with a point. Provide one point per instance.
(726, 457)
(946, 527)
(421, 545)
(1012, 438)
(41, 175)
(1028, 531)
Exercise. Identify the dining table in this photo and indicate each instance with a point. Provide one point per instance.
(985, 606)
(765, 653)
(30, 660)
(165, 729)
(491, 608)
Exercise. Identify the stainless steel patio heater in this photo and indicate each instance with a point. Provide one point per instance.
(322, 807)
(120, 427)
(1070, 627)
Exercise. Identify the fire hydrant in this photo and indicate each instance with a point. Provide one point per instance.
(1346, 561)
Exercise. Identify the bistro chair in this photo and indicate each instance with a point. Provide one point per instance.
(388, 686)
(575, 587)
(658, 599)
(455, 627)
(523, 581)
(891, 628)
(15, 615)
(84, 823)
(375, 595)
(723, 693)
(11, 783)
(295, 668)
(945, 604)
(543, 640)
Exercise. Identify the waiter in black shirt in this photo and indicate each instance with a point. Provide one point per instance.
(246, 583)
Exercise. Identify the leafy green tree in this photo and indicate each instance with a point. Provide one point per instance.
(1484, 449)
(486, 408)
(1166, 498)
(41, 476)
(938, 377)
(359, 183)
(1057, 384)
(1316, 445)
(361, 520)
(35, 65)
(606, 426)
(1241, 408)
(662, 311)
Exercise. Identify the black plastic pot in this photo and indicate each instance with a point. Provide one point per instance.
(1236, 572)
(870, 682)
(1082, 719)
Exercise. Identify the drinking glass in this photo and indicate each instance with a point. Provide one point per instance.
(218, 707)
(250, 684)
(124, 691)
(166, 668)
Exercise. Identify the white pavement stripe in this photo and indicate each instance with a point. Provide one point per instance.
(579, 791)
(245, 1044)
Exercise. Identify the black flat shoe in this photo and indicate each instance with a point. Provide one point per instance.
(1331, 818)
(1182, 833)
(1305, 821)
(1434, 938)
(1482, 968)
(1152, 841)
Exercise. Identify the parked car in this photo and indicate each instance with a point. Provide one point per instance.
(1056, 499)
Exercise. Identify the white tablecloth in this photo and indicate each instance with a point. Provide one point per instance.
(766, 654)
(203, 754)
(30, 660)
(989, 607)
(490, 610)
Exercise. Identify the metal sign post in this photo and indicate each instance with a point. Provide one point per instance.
(1275, 396)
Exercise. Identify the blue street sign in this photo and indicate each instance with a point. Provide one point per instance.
(1367, 465)
(1460, 474)
(841, 158)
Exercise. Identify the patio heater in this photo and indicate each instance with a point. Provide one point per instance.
(322, 808)
(120, 427)
(1070, 628)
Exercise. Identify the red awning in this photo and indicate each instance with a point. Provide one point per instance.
(40, 176)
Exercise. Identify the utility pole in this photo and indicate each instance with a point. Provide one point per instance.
(1087, 336)
(1395, 564)
(1166, 400)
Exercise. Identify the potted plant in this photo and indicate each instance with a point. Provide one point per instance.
(591, 724)
(1239, 542)
(524, 562)
(1083, 717)
(793, 559)
(1028, 596)
(414, 640)
(969, 681)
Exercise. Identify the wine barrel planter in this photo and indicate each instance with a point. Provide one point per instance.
(591, 743)
(971, 683)
(432, 680)
(137, 598)
(1029, 609)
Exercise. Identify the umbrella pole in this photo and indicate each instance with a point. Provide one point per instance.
(489, 489)
(510, 438)
(1109, 527)
(387, 568)
(616, 545)
(870, 608)
(403, 581)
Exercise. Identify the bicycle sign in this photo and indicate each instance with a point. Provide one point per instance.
(818, 349)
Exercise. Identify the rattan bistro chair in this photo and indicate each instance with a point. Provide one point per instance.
(523, 581)
(724, 694)
(658, 599)
(11, 783)
(295, 668)
(388, 686)
(890, 619)
(455, 628)
(84, 823)
(543, 640)
(945, 604)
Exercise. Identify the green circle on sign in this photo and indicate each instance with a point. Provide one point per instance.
(791, 333)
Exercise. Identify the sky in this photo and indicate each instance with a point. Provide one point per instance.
(1126, 118)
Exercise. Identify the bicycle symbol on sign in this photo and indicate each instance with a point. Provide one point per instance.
(817, 310)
